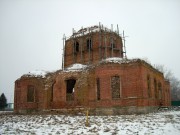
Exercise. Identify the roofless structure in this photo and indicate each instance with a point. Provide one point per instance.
(95, 74)
(92, 44)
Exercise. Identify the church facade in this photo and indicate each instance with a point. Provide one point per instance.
(96, 75)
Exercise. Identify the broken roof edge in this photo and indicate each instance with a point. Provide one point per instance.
(38, 74)
(126, 61)
(75, 67)
(118, 60)
(91, 29)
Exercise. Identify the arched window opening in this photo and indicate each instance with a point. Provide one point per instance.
(115, 87)
(30, 93)
(160, 90)
(155, 89)
(52, 91)
(149, 85)
(112, 43)
(76, 46)
(89, 44)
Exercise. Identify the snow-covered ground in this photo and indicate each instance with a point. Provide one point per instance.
(161, 123)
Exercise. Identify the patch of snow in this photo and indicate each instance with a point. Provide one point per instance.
(87, 30)
(5, 112)
(36, 73)
(161, 123)
(118, 60)
(76, 67)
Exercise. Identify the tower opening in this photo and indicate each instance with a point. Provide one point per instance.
(76, 46)
(89, 44)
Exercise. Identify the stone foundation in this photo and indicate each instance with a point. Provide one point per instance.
(95, 111)
(124, 110)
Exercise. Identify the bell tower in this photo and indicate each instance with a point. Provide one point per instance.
(92, 44)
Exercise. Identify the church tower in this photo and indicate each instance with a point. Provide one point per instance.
(92, 44)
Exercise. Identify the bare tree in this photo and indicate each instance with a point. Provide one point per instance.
(174, 82)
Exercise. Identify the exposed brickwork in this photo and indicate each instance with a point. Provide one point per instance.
(20, 94)
(135, 83)
(101, 48)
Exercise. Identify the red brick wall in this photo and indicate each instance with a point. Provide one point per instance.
(95, 54)
(154, 74)
(20, 95)
(133, 88)
(129, 80)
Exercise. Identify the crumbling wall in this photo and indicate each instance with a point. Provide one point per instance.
(104, 45)
(128, 80)
(81, 89)
(20, 100)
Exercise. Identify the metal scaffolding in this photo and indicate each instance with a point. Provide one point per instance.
(107, 46)
(124, 46)
(63, 53)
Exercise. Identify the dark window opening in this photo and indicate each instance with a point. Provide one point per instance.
(18, 84)
(30, 93)
(76, 46)
(98, 89)
(70, 89)
(112, 43)
(115, 87)
(149, 86)
(89, 44)
(160, 90)
(52, 88)
(155, 88)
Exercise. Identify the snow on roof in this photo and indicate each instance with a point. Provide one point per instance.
(36, 73)
(118, 60)
(76, 67)
(95, 28)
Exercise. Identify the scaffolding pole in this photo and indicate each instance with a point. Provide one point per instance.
(112, 41)
(100, 45)
(124, 47)
(73, 46)
(82, 46)
(63, 53)
(120, 50)
(117, 30)
(89, 43)
(105, 43)
(102, 41)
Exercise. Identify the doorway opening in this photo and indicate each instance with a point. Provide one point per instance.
(70, 84)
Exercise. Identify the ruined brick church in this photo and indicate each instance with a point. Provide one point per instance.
(96, 75)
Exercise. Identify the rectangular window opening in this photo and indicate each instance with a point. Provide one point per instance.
(155, 89)
(30, 93)
(149, 86)
(115, 87)
(160, 90)
(89, 44)
(98, 88)
(76, 46)
(70, 84)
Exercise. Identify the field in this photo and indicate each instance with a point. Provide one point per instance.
(160, 123)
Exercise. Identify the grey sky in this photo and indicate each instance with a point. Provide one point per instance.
(31, 32)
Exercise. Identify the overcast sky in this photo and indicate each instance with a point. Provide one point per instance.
(31, 32)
